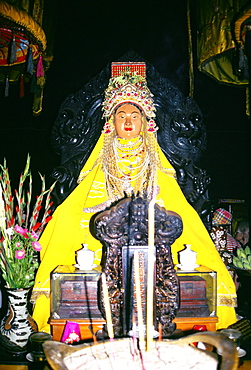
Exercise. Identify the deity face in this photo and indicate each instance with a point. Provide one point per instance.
(128, 121)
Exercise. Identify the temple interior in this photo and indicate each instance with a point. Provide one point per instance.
(57, 110)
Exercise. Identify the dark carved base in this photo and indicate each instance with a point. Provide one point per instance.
(123, 229)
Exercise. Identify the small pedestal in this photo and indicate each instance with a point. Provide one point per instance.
(86, 327)
(198, 297)
(187, 323)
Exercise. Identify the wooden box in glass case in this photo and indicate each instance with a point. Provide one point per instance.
(197, 292)
(74, 293)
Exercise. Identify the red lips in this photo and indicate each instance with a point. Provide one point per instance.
(128, 129)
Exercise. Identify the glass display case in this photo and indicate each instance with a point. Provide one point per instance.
(198, 292)
(74, 293)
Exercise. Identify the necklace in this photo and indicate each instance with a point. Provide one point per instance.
(128, 144)
(129, 176)
(122, 152)
(126, 167)
(128, 164)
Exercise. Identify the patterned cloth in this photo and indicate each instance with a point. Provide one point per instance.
(232, 243)
(225, 244)
(219, 237)
(221, 217)
(223, 241)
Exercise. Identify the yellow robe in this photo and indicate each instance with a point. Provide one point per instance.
(69, 228)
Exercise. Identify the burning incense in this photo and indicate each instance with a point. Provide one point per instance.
(107, 308)
(160, 332)
(150, 276)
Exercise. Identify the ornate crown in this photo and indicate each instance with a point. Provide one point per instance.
(127, 86)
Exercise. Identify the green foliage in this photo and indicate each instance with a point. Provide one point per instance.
(243, 258)
(21, 226)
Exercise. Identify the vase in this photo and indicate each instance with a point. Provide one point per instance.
(85, 258)
(17, 325)
(187, 258)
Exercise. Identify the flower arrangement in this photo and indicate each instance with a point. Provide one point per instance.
(21, 226)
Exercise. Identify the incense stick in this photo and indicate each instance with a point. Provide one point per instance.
(150, 276)
(160, 332)
(107, 308)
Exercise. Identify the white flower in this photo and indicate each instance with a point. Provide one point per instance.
(2, 221)
(9, 231)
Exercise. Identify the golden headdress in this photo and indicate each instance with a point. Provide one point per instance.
(128, 85)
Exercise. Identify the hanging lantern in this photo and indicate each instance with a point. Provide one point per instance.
(23, 45)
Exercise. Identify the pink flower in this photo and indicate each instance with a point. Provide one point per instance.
(37, 246)
(26, 236)
(34, 235)
(20, 230)
(18, 244)
(20, 254)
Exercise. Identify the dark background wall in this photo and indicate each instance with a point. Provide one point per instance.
(91, 34)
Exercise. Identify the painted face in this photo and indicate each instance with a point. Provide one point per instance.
(128, 121)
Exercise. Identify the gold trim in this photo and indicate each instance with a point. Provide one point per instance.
(38, 293)
(226, 300)
(23, 19)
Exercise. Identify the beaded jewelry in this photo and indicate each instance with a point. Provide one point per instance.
(128, 87)
(130, 165)
(108, 126)
(152, 126)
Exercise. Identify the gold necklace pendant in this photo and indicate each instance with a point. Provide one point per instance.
(128, 143)
(127, 187)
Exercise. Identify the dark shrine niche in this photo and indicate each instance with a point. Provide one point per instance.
(181, 134)
(123, 229)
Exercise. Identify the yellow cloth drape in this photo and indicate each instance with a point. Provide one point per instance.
(215, 44)
(69, 228)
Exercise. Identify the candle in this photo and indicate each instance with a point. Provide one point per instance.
(138, 297)
(107, 307)
(134, 340)
(150, 276)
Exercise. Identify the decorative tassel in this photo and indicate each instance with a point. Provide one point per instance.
(37, 102)
(29, 61)
(152, 126)
(40, 68)
(12, 55)
(21, 86)
(33, 85)
(6, 87)
(108, 128)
